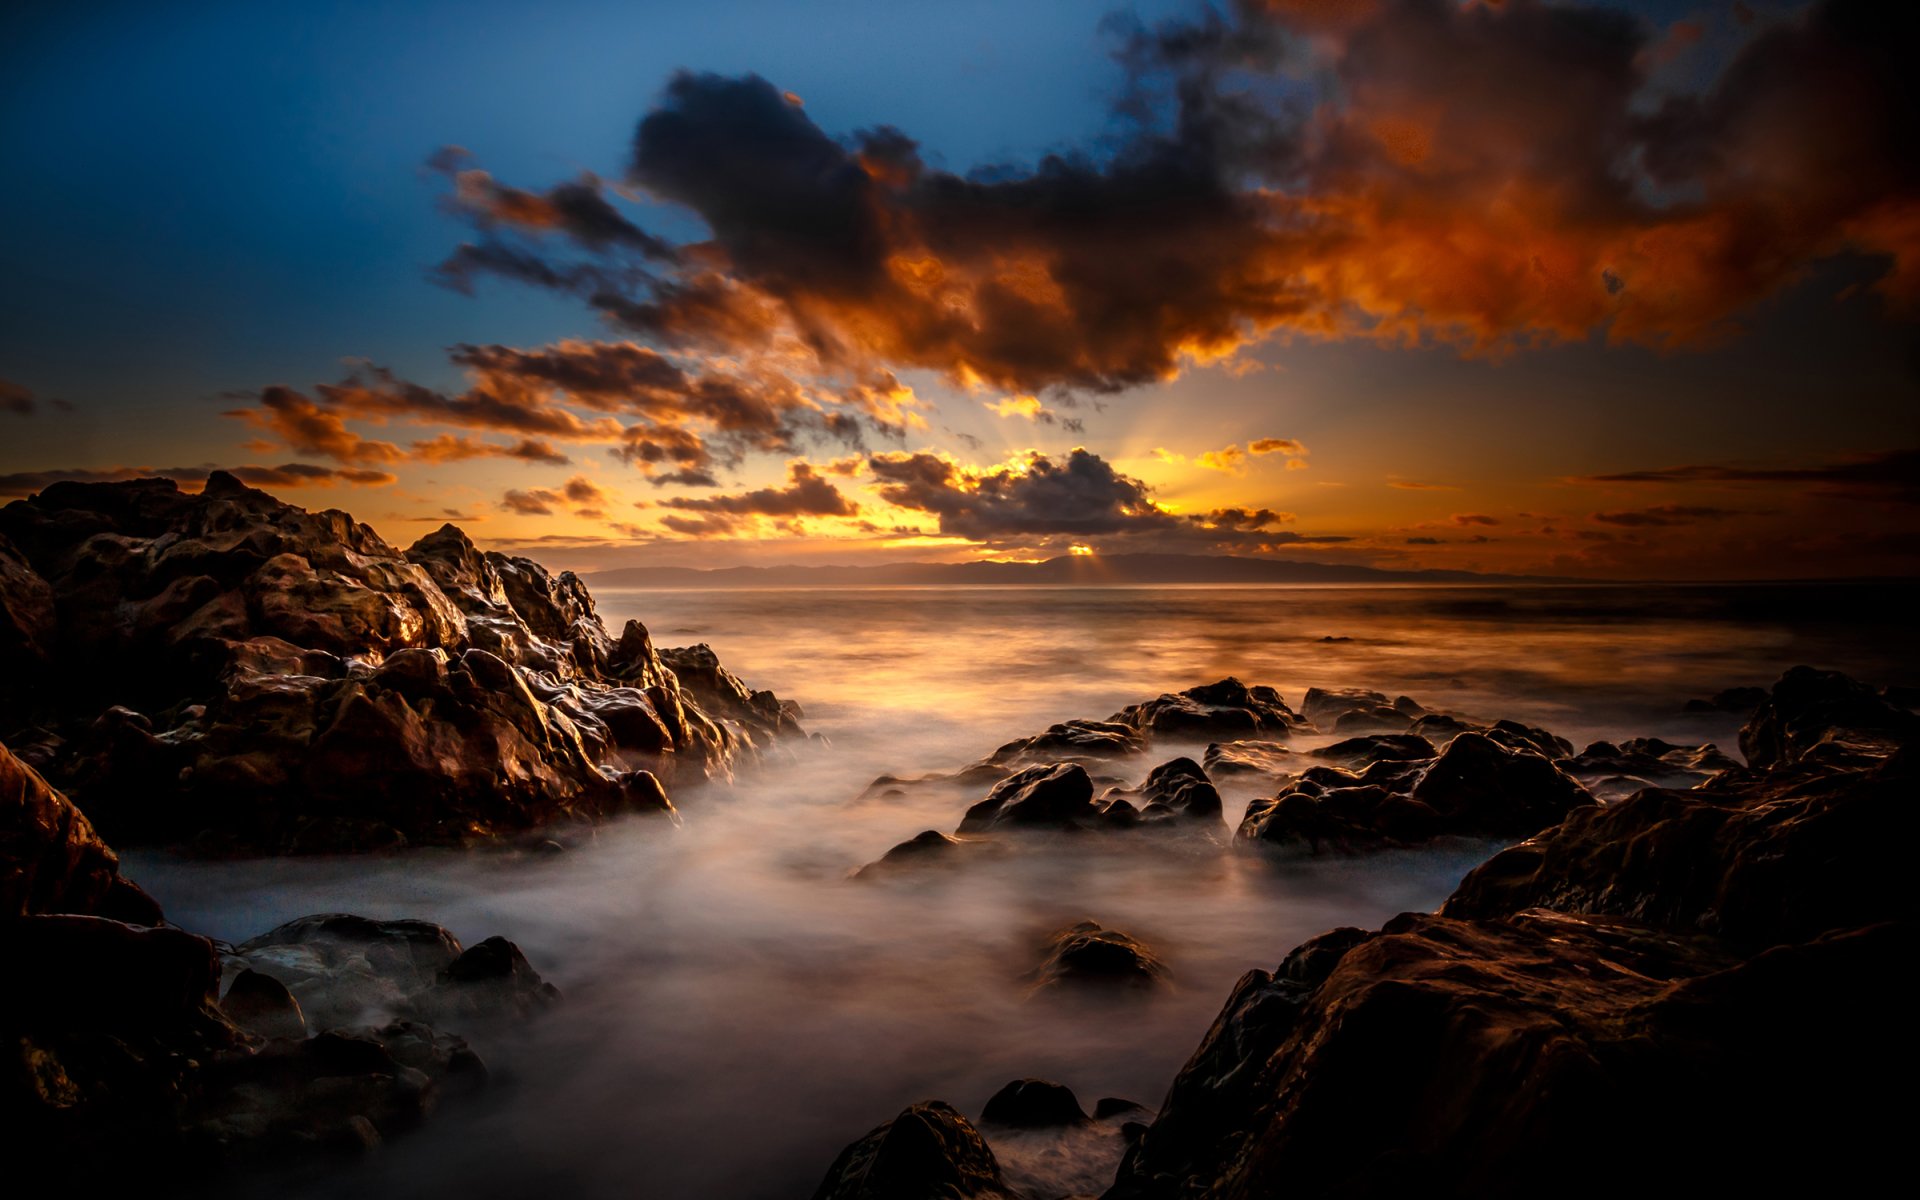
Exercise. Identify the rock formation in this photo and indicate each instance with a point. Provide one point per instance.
(228, 670)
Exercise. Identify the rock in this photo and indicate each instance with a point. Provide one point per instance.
(1108, 1107)
(27, 623)
(1371, 719)
(1070, 741)
(1515, 736)
(348, 970)
(1439, 728)
(240, 675)
(1646, 761)
(52, 861)
(1226, 708)
(928, 1152)
(721, 693)
(1088, 955)
(1049, 796)
(262, 1005)
(1033, 1104)
(1247, 758)
(1475, 787)
(1824, 716)
(1325, 706)
(1176, 790)
(1731, 700)
(925, 850)
(1392, 747)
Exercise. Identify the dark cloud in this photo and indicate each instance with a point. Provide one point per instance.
(1423, 541)
(1473, 519)
(287, 475)
(1667, 515)
(581, 495)
(1242, 519)
(1490, 176)
(1886, 475)
(1080, 495)
(807, 494)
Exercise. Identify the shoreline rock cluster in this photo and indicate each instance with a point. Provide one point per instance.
(1684, 988)
(227, 671)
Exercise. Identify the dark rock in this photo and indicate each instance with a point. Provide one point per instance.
(52, 861)
(1108, 1107)
(228, 671)
(1641, 762)
(720, 692)
(1372, 719)
(928, 1152)
(1070, 741)
(1825, 717)
(1206, 713)
(1515, 736)
(1088, 955)
(1048, 796)
(27, 623)
(1392, 747)
(1479, 786)
(1324, 706)
(918, 853)
(1033, 1104)
(1176, 790)
(262, 1005)
(1247, 758)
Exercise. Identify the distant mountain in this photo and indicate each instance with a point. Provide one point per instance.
(1102, 570)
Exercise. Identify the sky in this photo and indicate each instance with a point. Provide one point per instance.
(1608, 290)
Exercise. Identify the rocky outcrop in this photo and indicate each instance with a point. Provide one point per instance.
(1226, 709)
(720, 692)
(1685, 990)
(1823, 717)
(238, 673)
(1088, 955)
(928, 1152)
(52, 861)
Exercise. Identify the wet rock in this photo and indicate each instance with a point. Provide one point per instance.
(239, 674)
(1440, 728)
(1176, 790)
(1091, 956)
(262, 1005)
(27, 623)
(928, 1152)
(1475, 787)
(1227, 708)
(1374, 719)
(1033, 1104)
(1325, 706)
(1048, 796)
(1645, 762)
(1357, 752)
(52, 861)
(924, 851)
(1070, 741)
(347, 970)
(721, 693)
(1247, 758)
(1824, 717)
(1515, 736)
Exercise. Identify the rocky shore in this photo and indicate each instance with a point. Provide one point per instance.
(1678, 990)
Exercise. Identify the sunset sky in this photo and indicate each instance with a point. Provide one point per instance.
(1607, 289)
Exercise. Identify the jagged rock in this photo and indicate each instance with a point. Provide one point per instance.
(1247, 758)
(236, 673)
(1033, 1104)
(721, 693)
(1824, 717)
(1227, 708)
(52, 861)
(1089, 955)
(928, 1152)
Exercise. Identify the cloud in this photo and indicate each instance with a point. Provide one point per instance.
(1242, 519)
(309, 428)
(287, 475)
(452, 447)
(1486, 176)
(1668, 515)
(1228, 460)
(1885, 475)
(1414, 485)
(1030, 408)
(807, 494)
(580, 494)
(1473, 519)
(16, 398)
(1078, 495)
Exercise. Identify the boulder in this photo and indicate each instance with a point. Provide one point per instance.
(1358, 752)
(262, 1005)
(1825, 717)
(1325, 706)
(1033, 1104)
(1048, 796)
(928, 1152)
(1069, 741)
(1224, 759)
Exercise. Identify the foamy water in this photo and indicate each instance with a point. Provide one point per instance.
(737, 1011)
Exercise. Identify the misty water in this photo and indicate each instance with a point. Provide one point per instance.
(736, 1010)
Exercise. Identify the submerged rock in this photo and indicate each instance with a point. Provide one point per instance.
(928, 1152)
(1089, 955)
